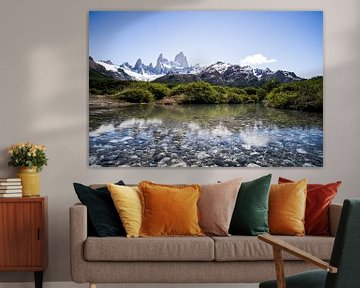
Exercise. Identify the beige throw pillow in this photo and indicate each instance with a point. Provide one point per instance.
(216, 205)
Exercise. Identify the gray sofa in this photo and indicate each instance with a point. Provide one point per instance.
(234, 259)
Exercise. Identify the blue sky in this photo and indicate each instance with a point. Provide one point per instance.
(287, 40)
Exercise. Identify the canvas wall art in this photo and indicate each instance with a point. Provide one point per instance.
(205, 89)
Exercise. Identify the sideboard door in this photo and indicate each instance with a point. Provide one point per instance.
(22, 240)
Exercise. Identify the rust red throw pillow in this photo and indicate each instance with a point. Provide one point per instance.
(319, 197)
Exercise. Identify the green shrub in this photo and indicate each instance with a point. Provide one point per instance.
(222, 93)
(306, 95)
(250, 90)
(199, 93)
(261, 93)
(235, 98)
(159, 90)
(95, 91)
(252, 99)
(136, 95)
(178, 89)
(269, 85)
(102, 84)
(279, 99)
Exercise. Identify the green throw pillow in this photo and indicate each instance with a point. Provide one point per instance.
(250, 215)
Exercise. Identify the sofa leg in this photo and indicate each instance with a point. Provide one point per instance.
(92, 285)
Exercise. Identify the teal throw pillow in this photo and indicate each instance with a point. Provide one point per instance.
(250, 216)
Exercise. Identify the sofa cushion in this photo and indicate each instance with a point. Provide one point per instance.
(287, 204)
(169, 210)
(102, 216)
(250, 215)
(216, 206)
(244, 248)
(149, 249)
(127, 201)
(318, 199)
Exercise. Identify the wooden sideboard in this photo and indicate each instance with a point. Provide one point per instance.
(23, 235)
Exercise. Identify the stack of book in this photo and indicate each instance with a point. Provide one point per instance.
(10, 187)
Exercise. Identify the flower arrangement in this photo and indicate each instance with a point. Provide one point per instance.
(27, 155)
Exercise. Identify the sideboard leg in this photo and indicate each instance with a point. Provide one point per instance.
(38, 279)
(92, 285)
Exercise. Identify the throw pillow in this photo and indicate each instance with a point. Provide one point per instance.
(319, 197)
(216, 206)
(102, 215)
(287, 208)
(169, 210)
(127, 201)
(250, 215)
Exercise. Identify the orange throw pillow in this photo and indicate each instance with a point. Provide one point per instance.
(287, 204)
(169, 210)
(319, 197)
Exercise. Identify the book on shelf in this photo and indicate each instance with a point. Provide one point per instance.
(10, 188)
(10, 183)
(9, 195)
(10, 191)
(10, 180)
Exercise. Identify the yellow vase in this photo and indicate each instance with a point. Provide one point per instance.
(30, 181)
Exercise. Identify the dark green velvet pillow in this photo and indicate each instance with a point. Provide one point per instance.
(250, 216)
(103, 218)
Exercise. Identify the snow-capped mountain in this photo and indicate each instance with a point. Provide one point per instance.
(180, 60)
(109, 70)
(143, 72)
(137, 73)
(164, 66)
(236, 75)
(218, 67)
(179, 71)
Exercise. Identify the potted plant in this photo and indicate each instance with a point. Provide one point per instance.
(30, 158)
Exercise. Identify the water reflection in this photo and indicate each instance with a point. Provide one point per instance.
(204, 136)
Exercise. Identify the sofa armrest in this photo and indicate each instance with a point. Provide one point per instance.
(334, 217)
(78, 235)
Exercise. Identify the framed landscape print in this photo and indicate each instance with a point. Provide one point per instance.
(205, 88)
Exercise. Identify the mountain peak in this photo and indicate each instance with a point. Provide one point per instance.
(181, 60)
(108, 62)
(219, 66)
(138, 64)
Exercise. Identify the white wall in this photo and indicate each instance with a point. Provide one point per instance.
(43, 90)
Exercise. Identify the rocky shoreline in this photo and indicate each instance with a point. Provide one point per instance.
(108, 101)
(105, 101)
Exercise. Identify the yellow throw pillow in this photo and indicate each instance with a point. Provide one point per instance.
(169, 210)
(127, 201)
(287, 204)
